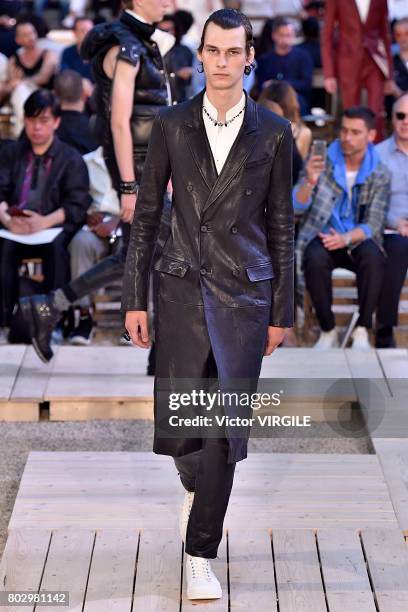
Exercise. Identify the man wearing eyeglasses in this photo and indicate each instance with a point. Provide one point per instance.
(394, 154)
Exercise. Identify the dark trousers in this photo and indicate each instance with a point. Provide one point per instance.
(208, 473)
(55, 266)
(396, 266)
(366, 260)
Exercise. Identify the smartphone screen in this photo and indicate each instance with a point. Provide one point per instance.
(319, 149)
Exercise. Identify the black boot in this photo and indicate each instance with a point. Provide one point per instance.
(384, 338)
(41, 319)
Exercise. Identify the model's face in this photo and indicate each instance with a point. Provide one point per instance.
(26, 36)
(401, 36)
(355, 137)
(400, 122)
(224, 56)
(152, 11)
(41, 129)
(284, 38)
(81, 30)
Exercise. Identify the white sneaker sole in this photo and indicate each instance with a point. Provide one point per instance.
(197, 593)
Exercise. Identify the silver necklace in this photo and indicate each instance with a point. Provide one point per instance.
(220, 123)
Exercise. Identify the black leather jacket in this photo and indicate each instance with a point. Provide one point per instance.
(150, 93)
(232, 235)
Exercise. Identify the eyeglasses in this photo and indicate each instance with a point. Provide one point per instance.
(401, 116)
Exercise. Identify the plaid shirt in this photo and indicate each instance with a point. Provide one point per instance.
(372, 206)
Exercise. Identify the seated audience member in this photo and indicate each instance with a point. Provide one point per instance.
(95, 240)
(43, 184)
(74, 123)
(283, 94)
(71, 58)
(394, 154)
(287, 62)
(29, 68)
(311, 42)
(179, 60)
(345, 203)
(400, 59)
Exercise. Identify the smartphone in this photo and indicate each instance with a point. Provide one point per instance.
(319, 149)
(14, 211)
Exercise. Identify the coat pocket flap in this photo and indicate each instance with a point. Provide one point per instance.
(171, 266)
(261, 271)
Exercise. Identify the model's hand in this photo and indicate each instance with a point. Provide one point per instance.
(330, 85)
(106, 228)
(127, 207)
(19, 225)
(333, 241)
(391, 88)
(402, 227)
(136, 324)
(275, 337)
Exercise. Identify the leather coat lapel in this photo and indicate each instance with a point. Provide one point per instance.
(240, 151)
(198, 143)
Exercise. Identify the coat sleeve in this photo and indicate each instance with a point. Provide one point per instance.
(330, 18)
(280, 231)
(146, 221)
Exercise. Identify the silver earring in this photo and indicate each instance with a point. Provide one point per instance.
(200, 68)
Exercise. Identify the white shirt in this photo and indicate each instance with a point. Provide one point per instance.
(351, 176)
(363, 8)
(222, 138)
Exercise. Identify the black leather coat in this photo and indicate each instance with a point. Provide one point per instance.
(227, 268)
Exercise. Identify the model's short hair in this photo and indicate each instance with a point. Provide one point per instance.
(228, 19)
(39, 101)
(361, 112)
(68, 87)
(281, 22)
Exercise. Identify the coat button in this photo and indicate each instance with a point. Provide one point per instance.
(234, 230)
(204, 228)
(248, 191)
(189, 188)
(203, 271)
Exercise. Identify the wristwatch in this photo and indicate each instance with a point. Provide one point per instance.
(347, 237)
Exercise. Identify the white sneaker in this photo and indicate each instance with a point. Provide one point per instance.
(185, 513)
(202, 583)
(327, 340)
(360, 339)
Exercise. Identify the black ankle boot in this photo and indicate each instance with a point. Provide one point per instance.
(41, 320)
(384, 338)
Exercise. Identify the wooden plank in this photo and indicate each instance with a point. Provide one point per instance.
(220, 569)
(387, 558)
(23, 562)
(344, 571)
(67, 566)
(251, 572)
(110, 585)
(289, 362)
(11, 356)
(136, 490)
(393, 457)
(298, 578)
(74, 410)
(32, 377)
(16, 411)
(95, 372)
(158, 573)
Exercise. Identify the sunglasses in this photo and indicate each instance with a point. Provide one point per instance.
(401, 116)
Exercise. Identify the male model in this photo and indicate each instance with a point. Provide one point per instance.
(226, 272)
(356, 53)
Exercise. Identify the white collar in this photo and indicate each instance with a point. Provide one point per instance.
(230, 113)
(165, 41)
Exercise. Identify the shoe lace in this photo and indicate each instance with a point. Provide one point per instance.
(200, 567)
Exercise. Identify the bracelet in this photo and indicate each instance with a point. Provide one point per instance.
(128, 187)
(348, 239)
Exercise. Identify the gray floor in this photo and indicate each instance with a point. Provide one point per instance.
(18, 439)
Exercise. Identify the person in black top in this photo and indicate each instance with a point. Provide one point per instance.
(400, 59)
(71, 58)
(179, 60)
(74, 125)
(43, 184)
(132, 86)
